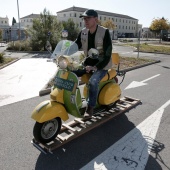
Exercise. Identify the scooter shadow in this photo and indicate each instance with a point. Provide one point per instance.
(82, 152)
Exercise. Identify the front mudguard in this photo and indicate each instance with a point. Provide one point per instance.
(48, 110)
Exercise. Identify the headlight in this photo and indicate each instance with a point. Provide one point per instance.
(62, 62)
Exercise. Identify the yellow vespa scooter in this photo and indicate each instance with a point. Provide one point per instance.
(66, 98)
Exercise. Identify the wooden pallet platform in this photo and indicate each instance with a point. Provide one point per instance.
(78, 126)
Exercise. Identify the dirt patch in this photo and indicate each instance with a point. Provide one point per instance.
(129, 62)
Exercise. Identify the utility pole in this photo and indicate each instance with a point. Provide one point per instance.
(138, 42)
(19, 24)
(19, 21)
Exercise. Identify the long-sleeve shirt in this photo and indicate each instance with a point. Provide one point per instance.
(107, 47)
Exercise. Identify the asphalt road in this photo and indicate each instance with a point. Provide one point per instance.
(110, 146)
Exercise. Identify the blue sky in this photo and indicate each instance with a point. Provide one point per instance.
(143, 10)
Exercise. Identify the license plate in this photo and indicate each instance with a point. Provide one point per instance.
(64, 84)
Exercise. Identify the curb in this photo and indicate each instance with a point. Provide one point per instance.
(152, 52)
(46, 91)
(140, 66)
(43, 52)
(1, 67)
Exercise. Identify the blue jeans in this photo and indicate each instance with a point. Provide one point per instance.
(94, 86)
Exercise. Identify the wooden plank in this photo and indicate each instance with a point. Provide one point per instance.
(79, 121)
(61, 137)
(69, 127)
(126, 103)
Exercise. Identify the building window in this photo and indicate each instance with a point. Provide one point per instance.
(80, 24)
(119, 27)
(126, 27)
(104, 18)
(116, 19)
(75, 15)
(112, 19)
(123, 27)
(119, 20)
(64, 15)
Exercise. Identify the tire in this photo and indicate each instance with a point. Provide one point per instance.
(47, 131)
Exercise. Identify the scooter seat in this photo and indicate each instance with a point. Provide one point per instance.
(110, 75)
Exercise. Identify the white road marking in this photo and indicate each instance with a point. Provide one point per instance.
(132, 150)
(141, 83)
(24, 79)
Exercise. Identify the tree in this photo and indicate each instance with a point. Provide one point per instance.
(72, 29)
(109, 24)
(159, 24)
(45, 28)
(13, 21)
(169, 26)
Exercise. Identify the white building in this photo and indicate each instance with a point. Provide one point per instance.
(4, 26)
(10, 33)
(125, 25)
(4, 22)
(26, 21)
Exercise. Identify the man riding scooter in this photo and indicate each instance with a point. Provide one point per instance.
(98, 37)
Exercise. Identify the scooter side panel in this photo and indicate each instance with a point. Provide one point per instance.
(101, 85)
(110, 93)
(48, 110)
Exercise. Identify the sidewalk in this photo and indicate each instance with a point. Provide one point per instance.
(24, 79)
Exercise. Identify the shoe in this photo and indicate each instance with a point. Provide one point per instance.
(89, 112)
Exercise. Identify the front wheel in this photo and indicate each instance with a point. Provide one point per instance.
(47, 131)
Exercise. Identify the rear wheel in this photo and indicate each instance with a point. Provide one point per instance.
(47, 131)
